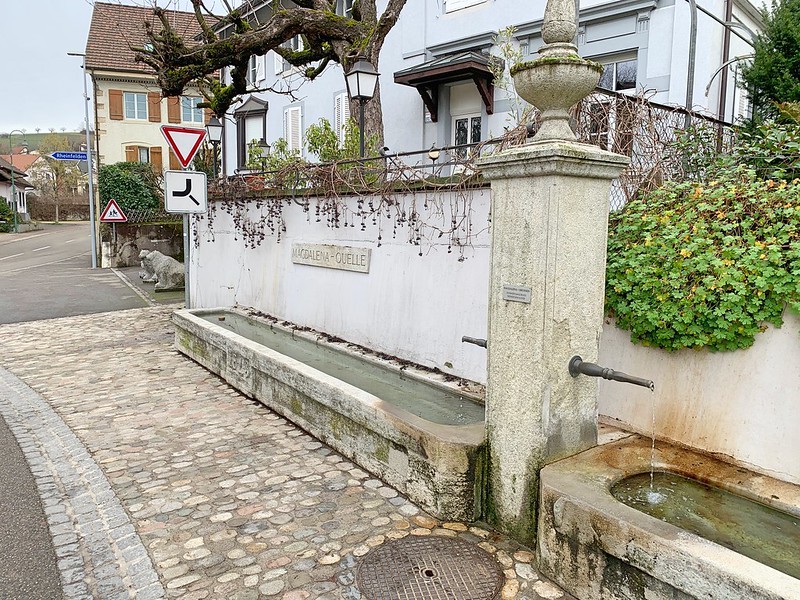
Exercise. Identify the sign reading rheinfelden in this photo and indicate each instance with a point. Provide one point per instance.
(346, 258)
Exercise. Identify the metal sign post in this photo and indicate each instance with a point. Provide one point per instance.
(186, 192)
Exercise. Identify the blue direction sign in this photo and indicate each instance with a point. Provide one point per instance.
(70, 155)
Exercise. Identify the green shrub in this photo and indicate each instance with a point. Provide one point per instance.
(6, 216)
(705, 265)
(133, 185)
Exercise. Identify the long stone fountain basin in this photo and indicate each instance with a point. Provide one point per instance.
(596, 547)
(438, 466)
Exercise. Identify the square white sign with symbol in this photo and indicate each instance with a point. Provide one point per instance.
(185, 192)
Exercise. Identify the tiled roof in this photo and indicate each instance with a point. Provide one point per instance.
(22, 162)
(116, 27)
(6, 166)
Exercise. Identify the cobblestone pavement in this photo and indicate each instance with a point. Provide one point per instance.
(161, 481)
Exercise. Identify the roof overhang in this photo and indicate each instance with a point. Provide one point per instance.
(464, 66)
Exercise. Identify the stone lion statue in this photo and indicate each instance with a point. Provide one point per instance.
(164, 270)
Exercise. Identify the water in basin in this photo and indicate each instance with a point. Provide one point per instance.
(762, 533)
(434, 404)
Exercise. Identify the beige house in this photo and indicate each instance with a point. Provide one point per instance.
(129, 109)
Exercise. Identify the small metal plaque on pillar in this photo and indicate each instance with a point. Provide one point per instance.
(517, 293)
(346, 258)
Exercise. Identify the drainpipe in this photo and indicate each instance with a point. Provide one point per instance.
(692, 57)
(726, 50)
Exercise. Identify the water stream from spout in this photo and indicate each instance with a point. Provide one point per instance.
(653, 497)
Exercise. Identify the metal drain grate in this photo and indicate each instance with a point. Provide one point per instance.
(429, 568)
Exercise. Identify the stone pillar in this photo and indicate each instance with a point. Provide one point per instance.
(549, 228)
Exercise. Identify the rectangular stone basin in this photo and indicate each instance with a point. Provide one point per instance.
(437, 461)
(596, 547)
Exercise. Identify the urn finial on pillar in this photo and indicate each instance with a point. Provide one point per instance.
(559, 78)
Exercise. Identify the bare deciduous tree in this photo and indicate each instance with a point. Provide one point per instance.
(327, 37)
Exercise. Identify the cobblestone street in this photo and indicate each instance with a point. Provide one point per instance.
(161, 481)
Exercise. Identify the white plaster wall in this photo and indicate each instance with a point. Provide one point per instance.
(411, 306)
(743, 404)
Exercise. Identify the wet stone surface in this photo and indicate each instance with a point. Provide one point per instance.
(225, 499)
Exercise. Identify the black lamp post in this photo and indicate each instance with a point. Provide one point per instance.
(263, 151)
(361, 81)
(214, 130)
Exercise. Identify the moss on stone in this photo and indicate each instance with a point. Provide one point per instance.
(571, 59)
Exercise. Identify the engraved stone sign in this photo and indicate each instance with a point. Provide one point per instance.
(346, 258)
(517, 293)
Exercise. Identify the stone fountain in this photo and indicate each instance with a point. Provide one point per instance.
(549, 219)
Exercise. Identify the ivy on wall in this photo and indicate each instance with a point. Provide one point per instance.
(695, 265)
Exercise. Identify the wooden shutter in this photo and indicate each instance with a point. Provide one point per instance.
(341, 115)
(174, 163)
(131, 153)
(174, 109)
(292, 128)
(207, 114)
(115, 109)
(155, 159)
(154, 107)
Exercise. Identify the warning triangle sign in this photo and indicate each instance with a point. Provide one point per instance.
(112, 213)
(184, 141)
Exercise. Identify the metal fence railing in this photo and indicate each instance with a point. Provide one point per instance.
(645, 131)
(151, 215)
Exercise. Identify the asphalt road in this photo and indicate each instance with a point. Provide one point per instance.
(47, 273)
(27, 559)
(43, 274)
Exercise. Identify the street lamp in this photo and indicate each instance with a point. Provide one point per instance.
(263, 152)
(14, 203)
(361, 81)
(214, 129)
(89, 147)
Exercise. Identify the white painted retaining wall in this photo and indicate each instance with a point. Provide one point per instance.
(744, 404)
(411, 306)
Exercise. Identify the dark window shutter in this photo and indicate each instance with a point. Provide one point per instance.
(131, 153)
(154, 107)
(115, 112)
(155, 159)
(174, 109)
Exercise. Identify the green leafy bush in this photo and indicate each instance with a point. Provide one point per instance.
(133, 185)
(693, 265)
(6, 216)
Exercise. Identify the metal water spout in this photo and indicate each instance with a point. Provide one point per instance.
(578, 367)
(471, 340)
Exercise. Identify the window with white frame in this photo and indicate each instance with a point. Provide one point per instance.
(190, 113)
(135, 106)
(453, 5)
(344, 8)
(619, 75)
(341, 116)
(466, 130)
(293, 128)
(295, 44)
(251, 124)
(144, 154)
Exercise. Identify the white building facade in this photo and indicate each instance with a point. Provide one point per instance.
(433, 93)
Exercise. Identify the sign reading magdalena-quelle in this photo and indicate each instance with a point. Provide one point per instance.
(346, 258)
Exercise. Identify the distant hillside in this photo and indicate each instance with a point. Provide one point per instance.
(33, 140)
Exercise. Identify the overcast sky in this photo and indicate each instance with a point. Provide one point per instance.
(40, 86)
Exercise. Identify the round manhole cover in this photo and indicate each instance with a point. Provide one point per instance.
(429, 568)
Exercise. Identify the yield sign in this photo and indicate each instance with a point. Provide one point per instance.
(112, 213)
(184, 141)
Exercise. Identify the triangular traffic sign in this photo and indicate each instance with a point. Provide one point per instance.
(112, 213)
(184, 141)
